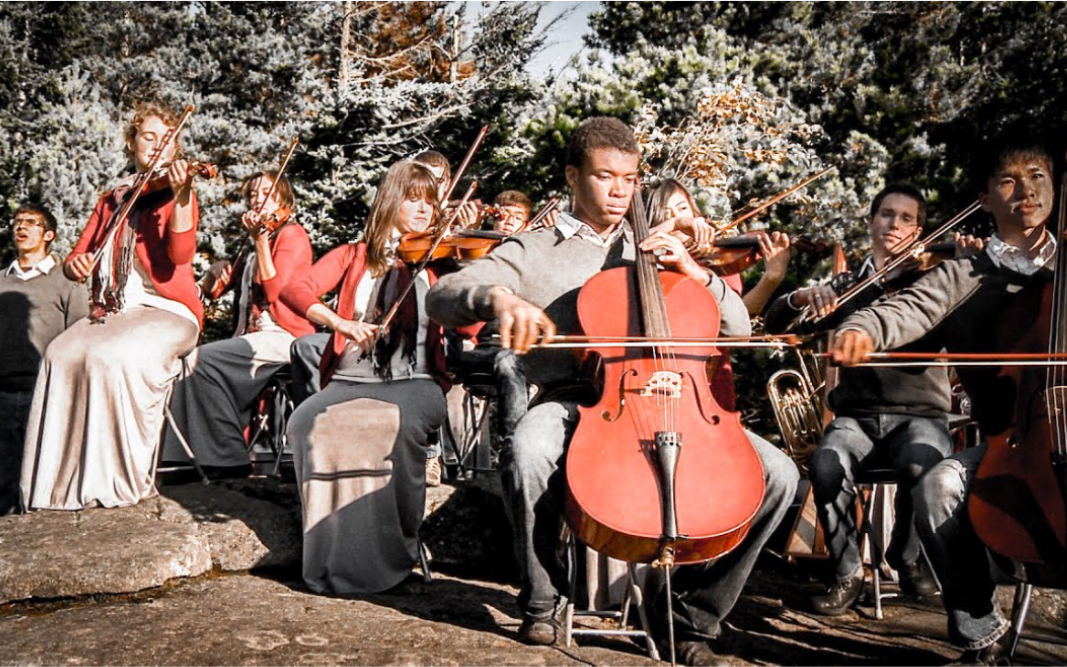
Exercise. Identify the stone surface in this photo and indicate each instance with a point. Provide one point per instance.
(244, 532)
(61, 554)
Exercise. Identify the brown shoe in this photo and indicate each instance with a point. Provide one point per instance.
(540, 631)
(433, 471)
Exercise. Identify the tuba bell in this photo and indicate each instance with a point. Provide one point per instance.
(798, 409)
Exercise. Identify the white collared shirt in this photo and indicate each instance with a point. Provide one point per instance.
(41, 268)
(1016, 259)
(569, 226)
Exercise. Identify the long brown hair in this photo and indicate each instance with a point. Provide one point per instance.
(403, 180)
(658, 195)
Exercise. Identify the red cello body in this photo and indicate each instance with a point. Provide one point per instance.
(617, 485)
(1016, 501)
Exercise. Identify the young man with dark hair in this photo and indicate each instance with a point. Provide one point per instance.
(36, 303)
(515, 208)
(884, 417)
(527, 289)
(965, 303)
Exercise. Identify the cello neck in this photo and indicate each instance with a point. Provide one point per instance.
(650, 289)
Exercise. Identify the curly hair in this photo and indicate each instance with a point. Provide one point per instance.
(147, 109)
(600, 132)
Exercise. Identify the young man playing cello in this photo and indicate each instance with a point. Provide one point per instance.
(968, 303)
(527, 288)
(883, 417)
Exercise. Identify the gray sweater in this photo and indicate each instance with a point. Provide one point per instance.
(32, 313)
(548, 270)
(967, 305)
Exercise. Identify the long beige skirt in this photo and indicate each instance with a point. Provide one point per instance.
(97, 413)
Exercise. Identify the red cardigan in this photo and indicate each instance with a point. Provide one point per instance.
(291, 251)
(165, 255)
(346, 265)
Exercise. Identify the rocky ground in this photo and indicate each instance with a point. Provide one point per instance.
(210, 576)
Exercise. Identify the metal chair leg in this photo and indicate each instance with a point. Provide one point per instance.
(1019, 611)
(185, 445)
(424, 561)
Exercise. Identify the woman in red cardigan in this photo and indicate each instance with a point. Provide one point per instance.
(97, 409)
(360, 443)
(212, 405)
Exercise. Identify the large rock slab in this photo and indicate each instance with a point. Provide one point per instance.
(248, 620)
(244, 532)
(63, 554)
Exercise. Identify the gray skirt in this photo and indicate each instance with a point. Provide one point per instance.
(97, 412)
(360, 454)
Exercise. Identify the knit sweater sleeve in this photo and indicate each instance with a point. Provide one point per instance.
(303, 291)
(76, 303)
(462, 298)
(910, 314)
(733, 313)
(292, 259)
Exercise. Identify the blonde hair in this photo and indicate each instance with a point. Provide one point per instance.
(147, 109)
(403, 180)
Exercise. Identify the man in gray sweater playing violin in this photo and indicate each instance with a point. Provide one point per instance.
(527, 290)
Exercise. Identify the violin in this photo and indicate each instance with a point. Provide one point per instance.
(657, 471)
(463, 245)
(734, 254)
(224, 280)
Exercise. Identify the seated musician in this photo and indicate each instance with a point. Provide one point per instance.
(966, 302)
(360, 444)
(97, 413)
(672, 206)
(515, 208)
(37, 303)
(885, 417)
(213, 404)
(527, 289)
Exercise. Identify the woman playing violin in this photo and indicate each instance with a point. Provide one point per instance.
(671, 206)
(360, 443)
(213, 404)
(97, 411)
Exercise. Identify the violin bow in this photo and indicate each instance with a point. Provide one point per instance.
(463, 165)
(281, 171)
(947, 359)
(388, 319)
(774, 200)
(533, 222)
(142, 183)
(912, 250)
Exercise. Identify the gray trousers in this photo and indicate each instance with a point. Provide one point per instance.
(534, 490)
(213, 403)
(851, 445)
(304, 356)
(957, 555)
(14, 412)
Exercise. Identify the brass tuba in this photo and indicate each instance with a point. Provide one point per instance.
(798, 408)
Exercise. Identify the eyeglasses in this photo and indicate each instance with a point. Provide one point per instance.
(26, 223)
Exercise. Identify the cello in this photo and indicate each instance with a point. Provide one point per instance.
(657, 471)
(1018, 497)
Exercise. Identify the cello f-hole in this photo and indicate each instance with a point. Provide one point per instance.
(607, 416)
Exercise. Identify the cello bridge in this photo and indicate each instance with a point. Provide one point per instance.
(663, 383)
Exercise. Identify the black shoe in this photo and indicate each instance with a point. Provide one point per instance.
(540, 631)
(994, 654)
(916, 579)
(693, 653)
(840, 597)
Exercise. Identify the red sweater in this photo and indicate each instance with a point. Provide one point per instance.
(346, 265)
(165, 255)
(291, 252)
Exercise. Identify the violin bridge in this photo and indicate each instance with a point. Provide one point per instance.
(663, 383)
